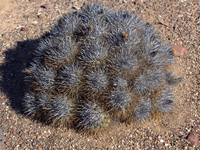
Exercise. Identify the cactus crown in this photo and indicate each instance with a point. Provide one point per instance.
(98, 66)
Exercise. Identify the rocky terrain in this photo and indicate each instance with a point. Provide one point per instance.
(24, 21)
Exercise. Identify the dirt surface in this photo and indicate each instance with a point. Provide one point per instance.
(24, 21)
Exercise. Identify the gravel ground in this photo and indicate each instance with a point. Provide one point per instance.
(23, 21)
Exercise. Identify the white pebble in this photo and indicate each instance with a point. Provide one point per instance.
(161, 140)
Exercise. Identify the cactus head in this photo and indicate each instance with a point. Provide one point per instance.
(92, 119)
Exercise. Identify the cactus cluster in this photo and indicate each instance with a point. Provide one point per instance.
(97, 67)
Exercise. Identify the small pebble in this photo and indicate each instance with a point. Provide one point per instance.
(163, 23)
(178, 50)
(24, 29)
(41, 16)
(34, 22)
(137, 2)
(47, 6)
(161, 140)
(74, 7)
(193, 137)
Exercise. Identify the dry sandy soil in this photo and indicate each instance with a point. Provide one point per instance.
(24, 21)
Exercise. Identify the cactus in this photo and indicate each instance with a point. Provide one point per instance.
(97, 67)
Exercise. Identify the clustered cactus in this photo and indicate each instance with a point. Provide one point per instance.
(97, 67)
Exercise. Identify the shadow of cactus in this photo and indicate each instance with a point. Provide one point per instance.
(12, 72)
